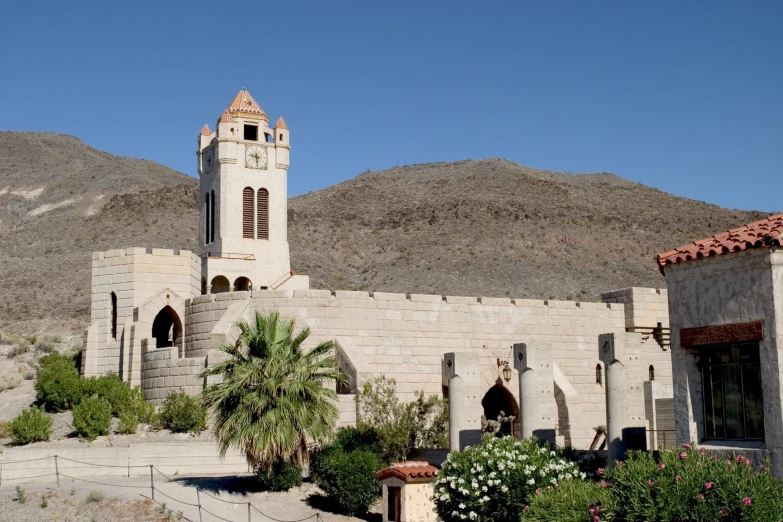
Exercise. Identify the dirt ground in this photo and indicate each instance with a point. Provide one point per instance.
(128, 500)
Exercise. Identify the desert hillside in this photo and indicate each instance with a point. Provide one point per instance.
(487, 228)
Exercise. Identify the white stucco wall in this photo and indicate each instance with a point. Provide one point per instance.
(732, 288)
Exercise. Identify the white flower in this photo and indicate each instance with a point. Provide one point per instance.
(531, 481)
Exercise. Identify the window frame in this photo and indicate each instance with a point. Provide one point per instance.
(704, 367)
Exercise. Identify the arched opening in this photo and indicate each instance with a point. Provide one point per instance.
(599, 374)
(220, 284)
(247, 213)
(651, 372)
(243, 284)
(498, 399)
(166, 328)
(262, 208)
(113, 315)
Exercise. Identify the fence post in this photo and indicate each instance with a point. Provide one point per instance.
(198, 501)
(248, 512)
(152, 483)
(57, 471)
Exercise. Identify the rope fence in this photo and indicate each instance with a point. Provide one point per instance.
(57, 473)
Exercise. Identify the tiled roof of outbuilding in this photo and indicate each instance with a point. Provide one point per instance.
(409, 470)
(766, 232)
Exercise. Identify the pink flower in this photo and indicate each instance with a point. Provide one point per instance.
(649, 483)
(702, 451)
(747, 501)
(686, 446)
(701, 497)
(683, 456)
(678, 478)
(708, 485)
(747, 462)
(739, 458)
(600, 472)
(661, 466)
(603, 484)
(713, 458)
(596, 519)
(538, 491)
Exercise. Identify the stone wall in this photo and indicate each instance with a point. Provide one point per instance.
(187, 457)
(134, 275)
(724, 290)
(163, 372)
(405, 336)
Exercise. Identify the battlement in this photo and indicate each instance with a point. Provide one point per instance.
(121, 254)
(625, 296)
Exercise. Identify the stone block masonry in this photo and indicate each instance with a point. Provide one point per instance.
(162, 373)
(406, 336)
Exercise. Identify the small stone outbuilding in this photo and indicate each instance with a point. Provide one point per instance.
(726, 316)
(408, 492)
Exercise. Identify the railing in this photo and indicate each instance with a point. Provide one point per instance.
(60, 470)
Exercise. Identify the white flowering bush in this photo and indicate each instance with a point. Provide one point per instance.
(492, 482)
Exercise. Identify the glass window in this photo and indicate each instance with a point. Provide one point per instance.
(731, 380)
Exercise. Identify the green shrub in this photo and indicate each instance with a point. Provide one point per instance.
(690, 485)
(129, 423)
(181, 412)
(571, 501)
(58, 387)
(32, 425)
(494, 480)
(92, 417)
(135, 410)
(402, 427)
(280, 476)
(348, 478)
(109, 387)
(94, 496)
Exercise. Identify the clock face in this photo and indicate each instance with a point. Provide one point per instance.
(255, 157)
(209, 159)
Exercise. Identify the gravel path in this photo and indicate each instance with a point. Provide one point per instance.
(127, 500)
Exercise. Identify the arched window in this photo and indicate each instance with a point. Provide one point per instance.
(651, 372)
(166, 328)
(242, 284)
(263, 214)
(113, 315)
(281, 138)
(220, 284)
(247, 213)
(207, 218)
(212, 218)
(599, 374)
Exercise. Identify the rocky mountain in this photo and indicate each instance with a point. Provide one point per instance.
(485, 228)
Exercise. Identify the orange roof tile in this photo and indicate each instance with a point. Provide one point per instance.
(767, 232)
(225, 117)
(411, 470)
(280, 123)
(205, 130)
(244, 106)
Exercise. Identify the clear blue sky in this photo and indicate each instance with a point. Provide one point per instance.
(683, 96)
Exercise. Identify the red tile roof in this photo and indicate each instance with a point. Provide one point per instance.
(205, 130)
(767, 232)
(225, 117)
(280, 123)
(411, 470)
(244, 106)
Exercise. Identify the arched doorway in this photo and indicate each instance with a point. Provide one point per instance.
(220, 284)
(498, 399)
(166, 328)
(242, 284)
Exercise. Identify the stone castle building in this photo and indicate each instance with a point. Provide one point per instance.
(159, 315)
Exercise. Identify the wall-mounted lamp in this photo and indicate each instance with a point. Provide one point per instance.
(505, 371)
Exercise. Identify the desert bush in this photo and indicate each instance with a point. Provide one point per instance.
(181, 412)
(570, 501)
(690, 485)
(95, 496)
(135, 410)
(58, 386)
(92, 417)
(348, 478)
(402, 427)
(20, 348)
(129, 423)
(109, 387)
(494, 480)
(32, 425)
(21, 495)
(5, 430)
(9, 380)
(280, 476)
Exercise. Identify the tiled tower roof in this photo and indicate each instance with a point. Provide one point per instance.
(244, 106)
(205, 130)
(766, 232)
(410, 470)
(225, 117)
(281, 123)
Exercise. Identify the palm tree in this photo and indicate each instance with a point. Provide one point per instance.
(273, 400)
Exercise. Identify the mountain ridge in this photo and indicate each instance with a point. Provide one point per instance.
(486, 227)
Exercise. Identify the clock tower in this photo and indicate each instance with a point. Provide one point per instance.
(243, 202)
